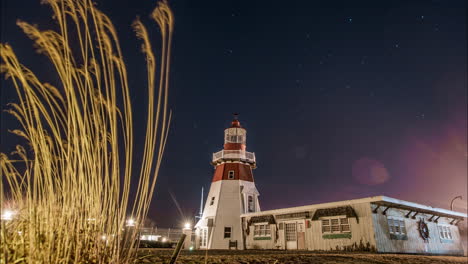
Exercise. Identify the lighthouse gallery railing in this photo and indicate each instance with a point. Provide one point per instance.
(234, 154)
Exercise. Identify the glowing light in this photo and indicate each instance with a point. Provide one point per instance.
(164, 239)
(130, 222)
(7, 215)
(191, 248)
(187, 226)
(149, 237)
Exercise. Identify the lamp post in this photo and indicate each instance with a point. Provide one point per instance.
(453, 200)
(187, 233)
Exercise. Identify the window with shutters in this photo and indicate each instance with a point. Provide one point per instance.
(396, 226)
(262, 230)
(335, 225)
(445, 232)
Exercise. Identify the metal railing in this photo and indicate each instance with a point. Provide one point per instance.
(160, 234)
(234, 155)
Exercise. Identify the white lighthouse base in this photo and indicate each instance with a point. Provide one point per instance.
(220, 226)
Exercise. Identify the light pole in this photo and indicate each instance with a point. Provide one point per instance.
(453, 200)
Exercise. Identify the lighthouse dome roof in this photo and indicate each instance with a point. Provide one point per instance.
(235, 123)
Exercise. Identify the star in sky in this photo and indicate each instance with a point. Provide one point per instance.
(363, 59)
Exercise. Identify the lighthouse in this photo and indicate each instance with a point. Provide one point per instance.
(232, 193)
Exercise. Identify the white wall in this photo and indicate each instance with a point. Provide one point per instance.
(361, 233)
(228, 205)
(414, 243)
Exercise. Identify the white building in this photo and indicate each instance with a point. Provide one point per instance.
(232, 216)
(377, 224)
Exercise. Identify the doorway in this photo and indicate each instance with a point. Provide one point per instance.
(291, 236)
(295, 235)
(300, 236)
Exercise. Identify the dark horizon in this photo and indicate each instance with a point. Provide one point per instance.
(340, 100)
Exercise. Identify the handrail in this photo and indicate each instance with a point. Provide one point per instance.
(235, 155)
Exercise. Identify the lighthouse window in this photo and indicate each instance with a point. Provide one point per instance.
(231, 174)
(212, 200)
(251, 206)
(227, 232)
(234, 138)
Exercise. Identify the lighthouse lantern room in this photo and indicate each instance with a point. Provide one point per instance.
(231, 194)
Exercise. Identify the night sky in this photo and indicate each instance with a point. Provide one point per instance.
(341, 99)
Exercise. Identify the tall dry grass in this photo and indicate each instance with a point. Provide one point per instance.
(69, 186)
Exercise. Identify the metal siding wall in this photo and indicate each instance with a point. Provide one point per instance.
(360, 232)
(414, 244)
(263, 244)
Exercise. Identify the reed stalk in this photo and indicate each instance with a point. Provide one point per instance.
(65, 194)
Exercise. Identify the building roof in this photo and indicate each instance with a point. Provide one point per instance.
(379, 200)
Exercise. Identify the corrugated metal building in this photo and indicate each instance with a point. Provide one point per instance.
(377, 224)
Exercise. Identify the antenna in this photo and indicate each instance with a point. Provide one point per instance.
(200, 214)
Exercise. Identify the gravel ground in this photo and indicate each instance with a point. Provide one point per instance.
(159, 256)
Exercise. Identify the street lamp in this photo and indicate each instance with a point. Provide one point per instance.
(453, 200)
(187, 226)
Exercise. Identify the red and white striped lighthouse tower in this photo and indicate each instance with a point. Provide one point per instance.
(231, 194)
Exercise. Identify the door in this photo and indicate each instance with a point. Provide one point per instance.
(291, 235)
(300, 236)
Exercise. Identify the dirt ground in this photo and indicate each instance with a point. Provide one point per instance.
(159, 256)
